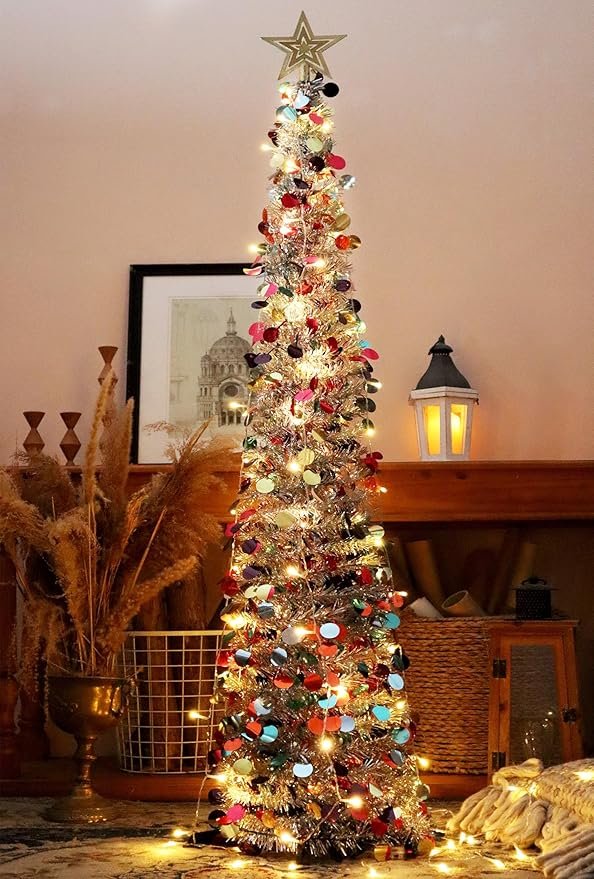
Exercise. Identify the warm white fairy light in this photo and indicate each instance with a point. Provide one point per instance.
(292, 571)
(519, 854)
(179, 832)
(294, 467)
(356, 802)
(326, 744)
(497, 863)
(442, 867)
(193, 714)
(292, 866)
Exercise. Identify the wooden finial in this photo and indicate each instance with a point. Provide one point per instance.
(33, 444)
(108, 352)
(70, 442)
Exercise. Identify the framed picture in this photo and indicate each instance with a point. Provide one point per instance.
(187, 336)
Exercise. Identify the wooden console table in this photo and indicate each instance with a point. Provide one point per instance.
(469, 492)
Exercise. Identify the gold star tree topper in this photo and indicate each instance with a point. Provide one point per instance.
(304, 50)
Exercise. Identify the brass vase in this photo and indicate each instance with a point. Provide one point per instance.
(85, 707)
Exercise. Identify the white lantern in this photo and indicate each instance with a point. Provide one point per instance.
(444, 404)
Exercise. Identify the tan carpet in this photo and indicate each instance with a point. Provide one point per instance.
(139, 846)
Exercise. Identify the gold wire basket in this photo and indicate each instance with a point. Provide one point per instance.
(169, 725)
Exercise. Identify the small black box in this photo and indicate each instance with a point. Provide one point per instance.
(533, 600)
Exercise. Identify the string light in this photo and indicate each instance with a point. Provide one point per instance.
(294, 466)
(326, 744)
(195, 715)
(497, 863)
(442, 867)
(292, 866)
(179, 832)
(520, 855)
(423, 762)
(292, 571)
(356, 802)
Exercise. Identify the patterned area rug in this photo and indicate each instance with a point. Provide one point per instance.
(139, 845)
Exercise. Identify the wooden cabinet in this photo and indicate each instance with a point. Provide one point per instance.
(533, 702)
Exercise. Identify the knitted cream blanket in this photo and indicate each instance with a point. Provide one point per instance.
(552, 809)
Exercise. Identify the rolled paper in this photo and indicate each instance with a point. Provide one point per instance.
(422, 607)
(478, 572)
(503, 573)
(522, 569)
(462, 604)
(424, 569)
(400, 570)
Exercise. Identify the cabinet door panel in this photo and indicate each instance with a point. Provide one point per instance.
(534, 717)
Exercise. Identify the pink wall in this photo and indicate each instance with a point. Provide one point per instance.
(130, 133)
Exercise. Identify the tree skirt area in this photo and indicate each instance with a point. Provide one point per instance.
(139, 844)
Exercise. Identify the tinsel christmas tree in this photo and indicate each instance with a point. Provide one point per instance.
(312, 753)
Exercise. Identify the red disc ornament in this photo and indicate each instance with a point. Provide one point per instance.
(313, 682)
(290, 201)
(343, 242)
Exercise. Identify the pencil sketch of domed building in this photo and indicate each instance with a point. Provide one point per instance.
(208, 374)
(222, 386)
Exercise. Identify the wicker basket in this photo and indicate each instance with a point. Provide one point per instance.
(448, 687)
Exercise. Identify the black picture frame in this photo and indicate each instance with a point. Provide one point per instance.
(138, 274)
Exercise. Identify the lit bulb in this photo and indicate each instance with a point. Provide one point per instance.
(237, 864)
(285, 836)
(235, 620)
(372, 873)
(294, 466)
(320, 263)
(434, 851)
(292, 571)
(195, 715)
(401, 704)
(370, 431)
(470, 840)
(382, 489)
(341, 691)
(253, 248)
(520, 855)
(443, 868)
(326, 744)
(497, 863)
(356, 802)
(424, 763)
(178, 833)
(451, 845)
(290, 165)
(285, 230)
(326, 126)
(292, 866)
(170, 843)
(266, 147)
